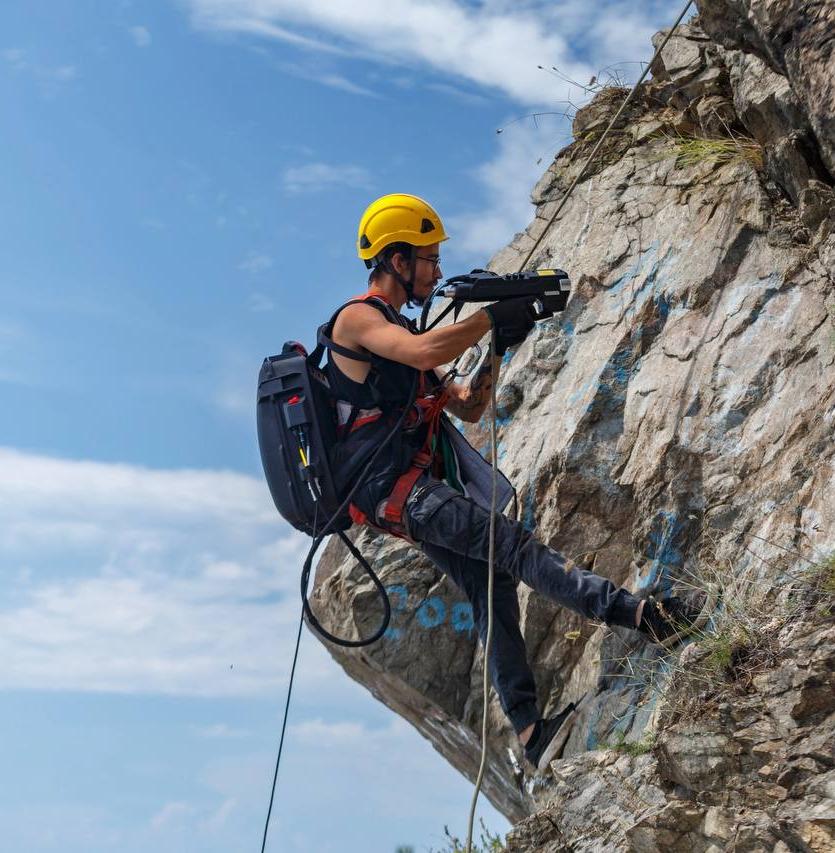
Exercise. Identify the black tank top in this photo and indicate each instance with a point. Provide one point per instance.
(388, 383)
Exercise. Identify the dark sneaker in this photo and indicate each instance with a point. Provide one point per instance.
(549, 736)
(670, 621)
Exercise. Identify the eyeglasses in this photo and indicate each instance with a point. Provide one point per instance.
(435, 261)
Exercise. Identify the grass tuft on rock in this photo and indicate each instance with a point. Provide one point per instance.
(632, 748)
(488, 843)
(691, 150)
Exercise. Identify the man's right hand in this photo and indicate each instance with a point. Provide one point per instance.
(512, 319)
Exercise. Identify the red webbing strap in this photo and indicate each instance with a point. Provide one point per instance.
(357, 515)
(396, 501)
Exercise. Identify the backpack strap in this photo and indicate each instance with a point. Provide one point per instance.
(323, 336)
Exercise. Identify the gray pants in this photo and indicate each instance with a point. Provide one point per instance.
(453, 531)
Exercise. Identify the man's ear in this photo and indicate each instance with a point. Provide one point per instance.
(398, 262)
(401, 263)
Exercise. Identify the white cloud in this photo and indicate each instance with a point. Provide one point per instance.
(314, 177)
(64, 72)
(15, 57)
(524, 151)
(141, 36)
(218, 818)
(135, 580)
(47, 75)
(173, 812)
(220, 731)
(260, 303)
(497, 45)
(256, 262)
(325, 78)
(447, 36)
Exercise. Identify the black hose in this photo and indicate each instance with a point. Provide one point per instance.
(318, 539)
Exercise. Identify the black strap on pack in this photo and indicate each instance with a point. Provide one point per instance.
(323, 336)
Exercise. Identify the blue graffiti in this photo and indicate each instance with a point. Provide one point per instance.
(462, 617)
(432, 612)
(663, 551)
(399, 592)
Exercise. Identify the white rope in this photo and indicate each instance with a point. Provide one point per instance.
(490, 573)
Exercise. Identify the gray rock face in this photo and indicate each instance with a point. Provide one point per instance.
(673, 428)
(795, 38)
(753, 774)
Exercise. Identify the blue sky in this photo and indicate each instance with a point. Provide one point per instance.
(179, 191)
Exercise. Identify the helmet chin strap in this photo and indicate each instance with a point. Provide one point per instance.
(407, 284)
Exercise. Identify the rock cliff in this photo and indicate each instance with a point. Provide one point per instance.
(673, 427)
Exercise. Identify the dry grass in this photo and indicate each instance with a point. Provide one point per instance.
(696, 150)
(488, 843)
(744, 635)
(757, 605)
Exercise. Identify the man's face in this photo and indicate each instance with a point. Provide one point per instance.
(427, 271)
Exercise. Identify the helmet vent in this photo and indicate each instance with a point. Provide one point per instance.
(426, 226)
(365, 243)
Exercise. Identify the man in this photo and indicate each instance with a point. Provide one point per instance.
(375, 358)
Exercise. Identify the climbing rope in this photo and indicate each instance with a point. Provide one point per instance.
(491, 546)
(490, 573)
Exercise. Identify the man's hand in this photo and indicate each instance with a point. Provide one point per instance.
(512, 319)
(469, 401)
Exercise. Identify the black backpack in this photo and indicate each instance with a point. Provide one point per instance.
(296, 416)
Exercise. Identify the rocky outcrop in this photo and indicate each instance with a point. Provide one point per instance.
(673, 428)
(751, 770)
(795, 38)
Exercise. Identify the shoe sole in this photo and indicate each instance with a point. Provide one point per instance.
(555, 748)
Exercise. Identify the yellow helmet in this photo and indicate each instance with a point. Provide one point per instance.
(397, 218)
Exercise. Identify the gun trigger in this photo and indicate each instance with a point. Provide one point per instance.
(456, 310)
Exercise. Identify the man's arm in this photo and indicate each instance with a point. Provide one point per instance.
(367, 327)
(469, 401)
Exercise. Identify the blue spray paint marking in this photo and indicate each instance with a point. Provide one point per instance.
(501, 450)
(432, 612)
(664, 551)
(402, 594)
(462, 617)
(591, 736)
(647, 258)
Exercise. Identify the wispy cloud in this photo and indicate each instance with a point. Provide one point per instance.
(15, 58)
(141, 35)
(324, 77)
(260, 303)
(315, 177)
(507, 180)
(458, 93)
(139, 580)
(48, 75)
(172, 812)
(256, 262)
(220, 731)
(494, 45)
(453, 38)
